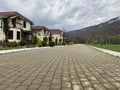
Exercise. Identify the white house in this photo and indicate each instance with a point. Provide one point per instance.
(41, 32)
(57, 35)
(19, 27)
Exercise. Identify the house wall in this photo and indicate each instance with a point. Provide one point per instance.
(20, 23)
(47, 35)
(28, 26)
(19, 26)
(15, 35)
(41, 33)
(0, 22)
(2, 35)
(58, 37)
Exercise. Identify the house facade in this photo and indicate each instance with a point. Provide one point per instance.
(19, 27)
(41, 32)
(57, 35)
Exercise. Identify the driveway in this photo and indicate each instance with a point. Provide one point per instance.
(75, 67)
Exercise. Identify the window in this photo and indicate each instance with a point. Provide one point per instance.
(38, 34)
(14, 22)
(18, 35)
(24, 24)
(10, 34)
(61, 34)
(44, 32)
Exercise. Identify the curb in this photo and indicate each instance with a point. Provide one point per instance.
(107, 51)
(19, 50)
(23, 49)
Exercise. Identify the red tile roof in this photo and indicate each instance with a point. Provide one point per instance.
(38, 27)
(6, 14)
(55, 31)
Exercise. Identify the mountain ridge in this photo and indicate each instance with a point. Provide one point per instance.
(101, 33)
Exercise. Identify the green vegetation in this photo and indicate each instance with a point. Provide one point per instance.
(6, 27)
(39, 43)
(11, 44)
(8, 48)
(34, 40)
(44, 43)
(52, 44)
(113, 47)
(22, 42)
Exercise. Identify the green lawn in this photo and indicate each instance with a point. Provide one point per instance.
(113, 47)
(18, 47)
(8, 48)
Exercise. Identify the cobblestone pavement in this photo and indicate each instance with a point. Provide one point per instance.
(76, 67)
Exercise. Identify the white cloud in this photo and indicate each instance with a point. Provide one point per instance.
(64, 14)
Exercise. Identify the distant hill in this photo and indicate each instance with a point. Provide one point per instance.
(108, 32)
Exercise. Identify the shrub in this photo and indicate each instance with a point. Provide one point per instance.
(1, 43)
(63, 43)
(52, 44)
(45, 39)
(44, 43)
(22, 42)
(11, 44)
(56, 41)
(29, 46)
(39, 43)
(34, 40)
(71, 43)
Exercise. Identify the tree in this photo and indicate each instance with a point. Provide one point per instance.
(6, 27)
(56, 41)
(34, 40)
(60, 41)
(45, 39)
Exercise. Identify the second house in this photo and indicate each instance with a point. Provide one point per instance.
(42, 33)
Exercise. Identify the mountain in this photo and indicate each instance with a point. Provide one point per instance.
(107, 32)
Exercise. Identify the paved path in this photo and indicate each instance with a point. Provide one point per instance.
(76, 67)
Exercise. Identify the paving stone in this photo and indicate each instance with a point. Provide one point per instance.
(99, 87)
(10, 88)
(116, 84)
(56, 81)
(22, 88)
(109, 86)
(92, 78)
(48, 79)
(3, 86)
(20, 79)
(44, 88)
(75, 81)
(55, 87)
(89, 88)
(83, 79)
(27, 82)
(77, 87)
(33, 86)
(46, 83)
(86, 84)
(66, 84)
(66, 89)
(37, 81)
(65, 79)
(74, 67)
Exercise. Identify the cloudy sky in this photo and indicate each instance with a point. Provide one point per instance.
(64, 14)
